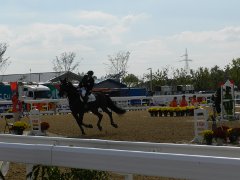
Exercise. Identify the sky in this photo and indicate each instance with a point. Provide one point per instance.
(155, 32)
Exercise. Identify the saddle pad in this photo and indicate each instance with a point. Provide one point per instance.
(91, 98)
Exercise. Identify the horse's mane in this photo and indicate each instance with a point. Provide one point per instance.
(71, 85)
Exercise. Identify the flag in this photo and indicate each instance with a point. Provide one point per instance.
(14, 86)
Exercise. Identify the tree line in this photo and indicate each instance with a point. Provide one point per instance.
(203, 79)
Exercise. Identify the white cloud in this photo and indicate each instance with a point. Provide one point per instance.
(222, 35)
(130, 19)
(37, 44)
(206, 49)
(149, 50)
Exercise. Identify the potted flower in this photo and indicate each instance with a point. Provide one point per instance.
(208, 136)
(233, 134)
(178, 111)
(220, 134)
(171, 111)
(165, 111)
(183, 110)
(44, 126)
(160, 112)
(18, 127)
(190, 110)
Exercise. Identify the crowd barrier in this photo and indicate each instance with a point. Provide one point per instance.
(61, 106)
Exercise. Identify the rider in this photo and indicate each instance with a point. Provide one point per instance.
(86, 85)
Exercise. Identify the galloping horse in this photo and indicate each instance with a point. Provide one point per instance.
(78, 107)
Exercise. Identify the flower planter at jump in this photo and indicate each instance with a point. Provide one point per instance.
(160, 113)
(178, 113)
(171, 111)
(18, 132)
(208, 136)
(221, 135)
(18, 127)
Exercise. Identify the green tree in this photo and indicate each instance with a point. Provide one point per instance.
(216, 77)
(160, 78)
(130, 80)
(181, 77)
(234, 71)
(201, 79)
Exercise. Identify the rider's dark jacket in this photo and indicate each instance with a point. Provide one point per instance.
(87, 82)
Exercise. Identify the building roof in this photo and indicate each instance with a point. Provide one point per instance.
(29, 77)
(68, 75)
(39, 77)
(109, 83)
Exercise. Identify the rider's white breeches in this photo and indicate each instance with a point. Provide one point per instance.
(83, 90)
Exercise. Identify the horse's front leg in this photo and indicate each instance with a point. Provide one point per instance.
(109, 113)
(85, 125)
(99, 115)
(79, 122)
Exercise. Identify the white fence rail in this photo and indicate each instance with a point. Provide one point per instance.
(152, 159)
(63, 106)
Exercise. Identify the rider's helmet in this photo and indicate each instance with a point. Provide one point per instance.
(90, 73)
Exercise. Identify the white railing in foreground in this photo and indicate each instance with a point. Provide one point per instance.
(181, 161)
(191, 149)
(135, 162)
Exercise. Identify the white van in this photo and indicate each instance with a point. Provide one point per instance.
(34, 92)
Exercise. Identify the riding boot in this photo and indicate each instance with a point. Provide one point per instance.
(85, 99)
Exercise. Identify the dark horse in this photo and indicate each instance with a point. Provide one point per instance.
(78, 107)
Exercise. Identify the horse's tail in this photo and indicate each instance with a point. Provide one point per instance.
(114, 107)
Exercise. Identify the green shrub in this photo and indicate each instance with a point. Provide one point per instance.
(52, 173)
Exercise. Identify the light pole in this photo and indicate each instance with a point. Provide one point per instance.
(30, 75)
(151, 85)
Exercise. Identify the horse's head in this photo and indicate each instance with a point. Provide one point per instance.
(67, 88)
(63, 88)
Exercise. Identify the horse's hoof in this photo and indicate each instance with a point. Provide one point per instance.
(90, 126)
(100, 128)
(115, 125)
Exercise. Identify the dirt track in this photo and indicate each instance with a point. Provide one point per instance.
(133, 126)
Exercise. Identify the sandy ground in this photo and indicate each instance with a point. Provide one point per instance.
(133, 126)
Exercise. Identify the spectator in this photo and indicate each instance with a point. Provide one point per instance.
(183, 102)
(174, 103)
(194, 101)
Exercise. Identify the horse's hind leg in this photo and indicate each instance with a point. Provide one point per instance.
(99, 115)
(83, 124)
(79, 122)
(110, 116)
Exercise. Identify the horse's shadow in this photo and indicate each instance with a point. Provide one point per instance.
(95, 135)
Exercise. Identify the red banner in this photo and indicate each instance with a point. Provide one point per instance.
(14, 86)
